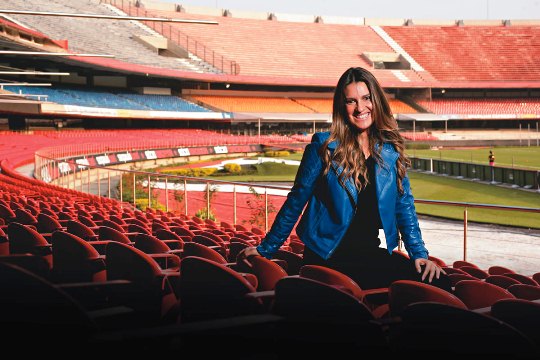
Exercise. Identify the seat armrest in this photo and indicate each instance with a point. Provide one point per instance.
(94, 295)
(166, 260)
(173, 244)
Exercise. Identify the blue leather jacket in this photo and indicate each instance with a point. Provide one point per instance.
(331, 206)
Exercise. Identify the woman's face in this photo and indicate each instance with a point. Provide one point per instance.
(358, 105)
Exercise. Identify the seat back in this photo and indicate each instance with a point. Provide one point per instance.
(75, 260)
(109, 233)
(126, 262)
(117, 219)
(212, 236)
(150, 244)
(459, 263)
(182, 231)
(77, 228)
(86, 221)
(455, 278)
(199, 250)
(24, 216)
(445, 329)
(23, 239)
(135, 228)
(6, 213)
(47, 223)
(402, 293)
(525, 291)
(267, 272)
(501, 281)
(304, 299)
(499, 270)
(164, 234)
(113, 225)
(209, 290)
(151, 294)
(38, 313)
(332, 277)
(474, 271)
(477, 294)
(294, 261)
(4, 243)
(522, 279)
(522, 314)
(319, 317)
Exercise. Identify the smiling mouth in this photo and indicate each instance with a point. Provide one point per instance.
(362, 116)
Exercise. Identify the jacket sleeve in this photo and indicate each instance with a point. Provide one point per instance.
(304, 183)
(408, 223)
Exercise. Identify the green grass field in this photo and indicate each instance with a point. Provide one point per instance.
(519, 157)
(434, 187)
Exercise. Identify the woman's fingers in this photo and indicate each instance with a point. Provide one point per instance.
(431, 269)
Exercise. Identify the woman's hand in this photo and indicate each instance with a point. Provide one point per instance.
(247, 252)
(431, 269)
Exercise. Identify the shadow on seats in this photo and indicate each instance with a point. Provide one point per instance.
(38, 315)
(209, 290)
(444, 329)
(325, 321)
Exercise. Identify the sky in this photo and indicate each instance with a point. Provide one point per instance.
(397, 9)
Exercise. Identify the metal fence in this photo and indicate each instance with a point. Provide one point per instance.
(525, 178)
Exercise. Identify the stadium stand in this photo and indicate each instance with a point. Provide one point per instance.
(90, 268)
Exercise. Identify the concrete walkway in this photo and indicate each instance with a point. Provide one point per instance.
(487, 245)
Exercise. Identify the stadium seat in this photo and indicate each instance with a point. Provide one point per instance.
(48, 224)
(209, 290)
(455, 278)
(522, 279)
(474, 271)
(322, 319)
(499, 270)
(41, 316)
(375, 299)
(501, 280)
(23, 239)
(525, 291)
(402, 293)
(149, 244)
(151, 294)
(75, 260)
(478, 294)
(267, 271)
(459, 263)
(293, 260)
(455, 332)
(522, 314)
(84, 232)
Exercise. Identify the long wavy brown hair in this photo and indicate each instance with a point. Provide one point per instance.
(348, 154)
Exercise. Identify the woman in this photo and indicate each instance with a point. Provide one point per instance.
(354, 182)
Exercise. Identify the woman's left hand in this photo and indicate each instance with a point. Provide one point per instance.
(431, 269)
